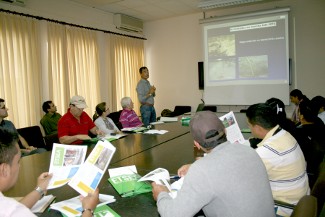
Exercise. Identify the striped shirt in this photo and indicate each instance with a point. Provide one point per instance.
(129, 118)
(285, 165)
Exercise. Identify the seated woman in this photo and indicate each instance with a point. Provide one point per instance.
(128, 116)
(104, 123)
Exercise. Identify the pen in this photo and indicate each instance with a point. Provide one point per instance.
(175, 177)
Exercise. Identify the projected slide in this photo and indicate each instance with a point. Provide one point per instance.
(246, 59)
(247, 52)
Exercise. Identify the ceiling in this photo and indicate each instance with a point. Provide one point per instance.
(146, 10)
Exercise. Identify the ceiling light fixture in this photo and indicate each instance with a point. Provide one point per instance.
(209, 4)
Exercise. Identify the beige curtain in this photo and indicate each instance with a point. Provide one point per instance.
(20, 74)
(127, 56)
(73, 66)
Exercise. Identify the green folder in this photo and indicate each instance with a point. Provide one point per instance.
(128, 185)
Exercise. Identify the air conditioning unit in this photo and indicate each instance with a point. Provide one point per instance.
(209, 4)
(128, 23)
(15, 2)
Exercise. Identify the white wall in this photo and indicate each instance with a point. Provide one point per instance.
(172, 52)
(174, 47)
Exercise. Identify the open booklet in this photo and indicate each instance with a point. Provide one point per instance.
(161, 177)
(68, 166)
(233, 131)
(41, 205)
(73, 207)
(125, 181)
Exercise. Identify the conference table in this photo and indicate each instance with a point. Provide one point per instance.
(146, 151)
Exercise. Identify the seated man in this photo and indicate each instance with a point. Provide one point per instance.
(50, 119)
(9, 172)
(229, 181)
(74, 126)
(281, 154)
(9, 169)
(128, 116)
(5, 124)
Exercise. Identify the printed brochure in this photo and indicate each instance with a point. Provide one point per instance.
(65, 162)
(92, 170)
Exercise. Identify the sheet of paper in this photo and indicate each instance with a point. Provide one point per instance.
(233, 131)
(122, 171)
(168, 119)
(65, 162)
(156, 132)
(157, 122)
(91, 171)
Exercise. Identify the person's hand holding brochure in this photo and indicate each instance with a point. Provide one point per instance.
(65, 162)
(161, 176)
(73, 206)
(95, 166)
(233, 132)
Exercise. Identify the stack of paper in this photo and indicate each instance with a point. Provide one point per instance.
(134, 129)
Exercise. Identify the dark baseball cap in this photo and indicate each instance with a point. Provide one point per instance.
(206, 128)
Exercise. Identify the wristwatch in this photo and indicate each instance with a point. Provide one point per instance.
(40, 191)
(150, 94)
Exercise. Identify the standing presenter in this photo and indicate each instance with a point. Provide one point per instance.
(146, 94)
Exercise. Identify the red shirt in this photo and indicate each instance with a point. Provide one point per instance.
(68, 125)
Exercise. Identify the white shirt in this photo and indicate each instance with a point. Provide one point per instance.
(322, 116)
(11, 208)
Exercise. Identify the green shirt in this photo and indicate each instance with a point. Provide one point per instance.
(50, 123)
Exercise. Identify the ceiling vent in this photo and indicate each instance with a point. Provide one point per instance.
(14, 2)
(210, 4)
(127, 23)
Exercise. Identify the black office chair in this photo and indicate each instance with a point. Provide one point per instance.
(180, 109)
(212, 108)
(115, 116)
(33, 136)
